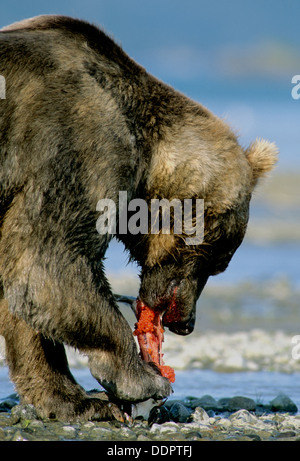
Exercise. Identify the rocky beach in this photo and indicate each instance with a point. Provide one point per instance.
(194, 419)
(188, 418)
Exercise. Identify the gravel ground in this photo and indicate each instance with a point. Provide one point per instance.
(194, 419)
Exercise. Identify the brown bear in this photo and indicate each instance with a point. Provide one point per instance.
(80, 122)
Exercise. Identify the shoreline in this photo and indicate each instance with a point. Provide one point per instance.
(181, 421)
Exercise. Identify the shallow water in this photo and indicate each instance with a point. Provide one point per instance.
(261, 386)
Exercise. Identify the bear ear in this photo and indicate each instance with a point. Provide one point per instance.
(262, 156)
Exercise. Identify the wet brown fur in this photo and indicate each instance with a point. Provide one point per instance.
(81, 121)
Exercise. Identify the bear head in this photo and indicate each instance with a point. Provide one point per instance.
(199, 159)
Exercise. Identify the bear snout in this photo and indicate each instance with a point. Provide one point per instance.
(180, 327)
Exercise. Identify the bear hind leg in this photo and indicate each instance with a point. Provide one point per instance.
(39, 368)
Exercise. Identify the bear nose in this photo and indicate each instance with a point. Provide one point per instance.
(183, 328)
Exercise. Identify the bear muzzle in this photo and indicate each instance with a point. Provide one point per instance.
(181, 328)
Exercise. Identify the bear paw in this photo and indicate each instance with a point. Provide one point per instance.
(85, 409)
(141, 383)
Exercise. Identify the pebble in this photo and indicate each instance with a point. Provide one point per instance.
(164, 428)
(283, 403)
(9, 402)
(200, 416)
(99, 433)
(159, 415)
(238, 402)
(23, 412)
(18, 437)
(67, 432)
(223, 422)
(207, 402)
(243, 416)
(179, 413)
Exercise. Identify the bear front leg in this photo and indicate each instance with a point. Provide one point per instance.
(127, 377)
(68, 303)
(39, 369)
(50, 265)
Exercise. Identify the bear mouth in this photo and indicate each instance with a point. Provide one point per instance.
(150, 335)
(172, 318)
(149, 331)
(149, 328)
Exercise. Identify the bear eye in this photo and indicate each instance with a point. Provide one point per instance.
(219, 270)
(221, 264)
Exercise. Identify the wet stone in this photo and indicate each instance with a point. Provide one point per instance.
(223, 403)
(175, 436)
(286, 434)
(200, 416)
(67, 432)
(88, 425)
(100, 433)
(223, 423)
(168, 404)
(241, 403)
(159, 415)
(164, 428)
(179, 413)
(207, 402)
(9, 402)
(127, 433)
(143, 438)
(243, 416)
(5, 419)
(21, 412)
(283, 403)
(2, 434)
(253, 436)
(176, 421)
(18, 436)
